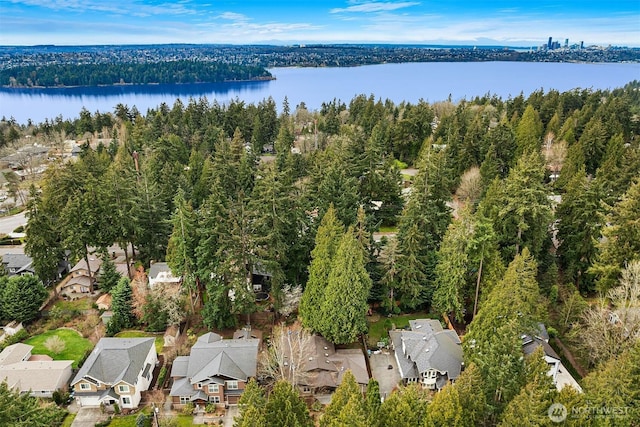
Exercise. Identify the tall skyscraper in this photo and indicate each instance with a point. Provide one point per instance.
(550, 43)
(566, 42)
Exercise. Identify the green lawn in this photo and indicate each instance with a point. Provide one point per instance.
(75, 346)
(130, 420)
(388, 229)
(68, 420)
(378, 329)
(141, 334)
(79, 304)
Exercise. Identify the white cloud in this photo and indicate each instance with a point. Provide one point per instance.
(232, 16)
(132, 8)
(374, 6)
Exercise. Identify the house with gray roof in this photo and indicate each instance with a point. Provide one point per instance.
(160, 272)
(427, 353)
(118, 370)
(17, 264)
(216, 371)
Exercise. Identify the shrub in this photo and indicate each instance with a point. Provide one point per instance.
(188, 408)
(399, 164)
(19, 336)
(116, 408)
(161, 376)
(55, 344)
(142, 420)
(19, 229)
(553, 332)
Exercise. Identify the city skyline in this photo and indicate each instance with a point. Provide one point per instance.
(508, 23)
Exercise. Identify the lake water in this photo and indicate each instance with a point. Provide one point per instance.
(434, 81)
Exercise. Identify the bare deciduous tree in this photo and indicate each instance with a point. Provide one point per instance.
(291, 296)
(613, 325)
(288, 356)
(470, 186)
(554, 153)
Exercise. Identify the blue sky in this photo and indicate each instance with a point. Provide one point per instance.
(497, 22)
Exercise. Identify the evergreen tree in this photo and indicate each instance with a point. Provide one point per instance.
(493, 339)
(620, 241)
(483, 253)
(149, 217)
(251, 406)
(452, 269)
(285, 407)
(344, 309)
(593, 141)
(423, 223)
(275, 219)
(21, 297)
(615, 385)
(43, 243)
(327, 240)
(446, 410)
(531, 405)
(109, 275)
(154, 313)
(347, 405)
(529, 132)
(405, 407)
(122, 307)
(471, 400)
(579, 223)
(21, 409)
(372, 401)
(181, 249)
(522, 212)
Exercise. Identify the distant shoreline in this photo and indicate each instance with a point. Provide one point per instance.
(258, 79)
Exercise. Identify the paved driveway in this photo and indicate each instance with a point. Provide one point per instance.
(88, 417)
(387, 378)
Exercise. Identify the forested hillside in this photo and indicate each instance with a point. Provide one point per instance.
(165, 72)
(521, 211)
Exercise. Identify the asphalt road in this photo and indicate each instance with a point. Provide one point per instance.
(10, 223)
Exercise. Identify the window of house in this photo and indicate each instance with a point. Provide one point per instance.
(214, 399)
(199, 386)
(213, 388)
(85, 386)
(184, 399)
(232, 385)
(126, 401)
(123, 389)
(306, 389)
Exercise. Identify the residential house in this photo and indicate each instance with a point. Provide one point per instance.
(557, 371)
(531, 343)
(37, 375)
(81, 278)
(17, 264)
(216, 371)
(118, 370)
(324, 367)
(427, 353)
(10, 329)
(159, 272)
